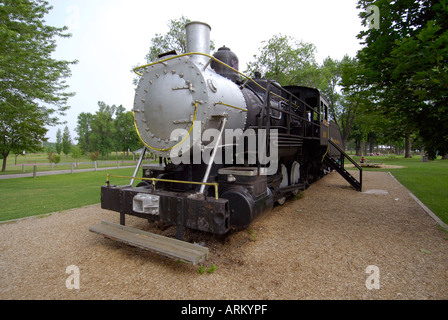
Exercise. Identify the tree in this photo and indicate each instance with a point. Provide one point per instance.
(66, 141)
(102, 137)
(125, 136)
(405, 65)
(84, 131)
(30, 78)
(287, 61)
(355, 101)
(175, 39)
(53, 158)
(76, 152)
(59, 141)
(22, 127)
(292, 62)
(337, 82)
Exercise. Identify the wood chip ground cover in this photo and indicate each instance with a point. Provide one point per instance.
(316, 247)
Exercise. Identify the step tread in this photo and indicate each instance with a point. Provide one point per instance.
(344, 173)
(165, 246)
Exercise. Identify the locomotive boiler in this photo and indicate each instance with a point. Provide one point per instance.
(229, 147)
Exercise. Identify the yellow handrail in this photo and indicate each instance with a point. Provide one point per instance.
(212, 58)
(214, 184)
(218, 61)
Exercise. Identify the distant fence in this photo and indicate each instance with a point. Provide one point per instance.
(72, 166)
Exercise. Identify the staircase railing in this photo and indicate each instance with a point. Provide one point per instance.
(344, 156)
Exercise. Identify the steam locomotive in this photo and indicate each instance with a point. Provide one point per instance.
(229, 147)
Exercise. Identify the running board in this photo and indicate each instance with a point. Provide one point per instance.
(165, 246)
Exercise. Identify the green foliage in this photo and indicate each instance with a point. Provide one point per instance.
(405, 67)
(344, 105)
(174, 39)
(76, 152)
(201, 270)
(30, 78)
(287, 61)
(292, 62)
(53, 157)
(23, 128)
(125, 137)
(94, 155)
(211, 269)
(103, 129)
(111, 128)
(66, 141)
(83, 129)
(58, 141)
(252, 235)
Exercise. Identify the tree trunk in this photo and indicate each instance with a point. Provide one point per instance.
(4, 163)
(358, 148)
(347, 127)
(407, 148)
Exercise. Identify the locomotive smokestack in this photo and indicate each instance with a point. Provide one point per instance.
(198, 40)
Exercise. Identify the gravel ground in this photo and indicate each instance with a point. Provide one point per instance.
(316, 247)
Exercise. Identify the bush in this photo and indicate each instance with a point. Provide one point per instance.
(94, 155)
(54, 157)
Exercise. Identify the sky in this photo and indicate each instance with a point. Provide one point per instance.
(109, 37)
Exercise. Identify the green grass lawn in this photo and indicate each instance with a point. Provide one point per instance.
(14, 166)
(428, 181)
(24, 197)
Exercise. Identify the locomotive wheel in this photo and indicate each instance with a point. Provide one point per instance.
(284, 183)
(294, 176)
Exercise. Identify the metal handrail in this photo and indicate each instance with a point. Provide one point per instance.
(154, 180)
(344, 155)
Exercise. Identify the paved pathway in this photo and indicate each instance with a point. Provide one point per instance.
(47, 173)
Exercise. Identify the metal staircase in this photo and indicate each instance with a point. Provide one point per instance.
(338, 165)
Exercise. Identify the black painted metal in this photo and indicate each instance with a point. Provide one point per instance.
(338, 165)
